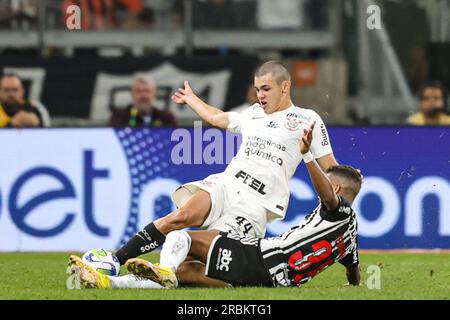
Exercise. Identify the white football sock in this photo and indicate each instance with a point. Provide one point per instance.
(130, 281)
(175, 249)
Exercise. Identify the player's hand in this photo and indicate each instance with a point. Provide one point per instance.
(351, 285)
(182, 96)
(305, 143)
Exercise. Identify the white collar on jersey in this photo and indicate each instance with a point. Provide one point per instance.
(282, 111)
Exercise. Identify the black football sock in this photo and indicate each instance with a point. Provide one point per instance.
(144, 241)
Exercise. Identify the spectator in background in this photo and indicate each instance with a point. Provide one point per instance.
(251, 99)
(18, 14)
(15, 111)
(155, 13)
(137, 14)
(141, 112)
(433, 106)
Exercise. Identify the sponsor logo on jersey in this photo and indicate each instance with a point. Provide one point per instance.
(252, 182)
(256, 118)
(224, 259)
(263, 154)
(325, 141)
(255, 141)
(272, 125)
(257, 146)
(297, 116)
(346, 210)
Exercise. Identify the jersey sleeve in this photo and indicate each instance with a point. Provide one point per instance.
(342, 211)
(235, 122)
(321, 145)
(236, 119)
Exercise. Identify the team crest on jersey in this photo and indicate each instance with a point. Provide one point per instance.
(293, 124)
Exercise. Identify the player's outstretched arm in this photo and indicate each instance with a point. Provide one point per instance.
(321, 183)
(214, 116)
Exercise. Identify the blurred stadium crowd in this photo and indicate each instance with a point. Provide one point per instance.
(350, 74)
(132, 14)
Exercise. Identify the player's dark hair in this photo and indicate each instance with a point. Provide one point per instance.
(350, 174)
(434, 85)
(279, 71)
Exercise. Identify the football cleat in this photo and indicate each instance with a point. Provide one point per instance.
(88, 277)
(145, 269)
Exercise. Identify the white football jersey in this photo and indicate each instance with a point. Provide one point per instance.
(270, 152)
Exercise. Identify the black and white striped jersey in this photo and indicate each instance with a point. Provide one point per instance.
(324, 238)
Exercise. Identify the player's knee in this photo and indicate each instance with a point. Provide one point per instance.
(186, 217)
(182, 273)
(199, 248)
(181, 237)
(176, 220)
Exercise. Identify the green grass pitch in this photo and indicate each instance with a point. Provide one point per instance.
(403, 276)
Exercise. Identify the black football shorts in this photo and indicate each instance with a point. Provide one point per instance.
(237, 262)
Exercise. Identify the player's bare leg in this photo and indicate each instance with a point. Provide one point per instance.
(192, 274)
(200, 243)
(192, 214)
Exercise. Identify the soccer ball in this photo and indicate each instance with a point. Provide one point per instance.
(102, 261)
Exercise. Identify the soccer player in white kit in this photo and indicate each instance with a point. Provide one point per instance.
(253, 189)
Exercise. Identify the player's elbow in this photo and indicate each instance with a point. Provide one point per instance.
(330, 200)
(327, 162)
(217, 120)
(214, 120)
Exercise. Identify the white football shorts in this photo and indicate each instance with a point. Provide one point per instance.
(232, 209)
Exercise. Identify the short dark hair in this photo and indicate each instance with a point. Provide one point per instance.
(434, 85)
(350, 174)
(279, 71)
